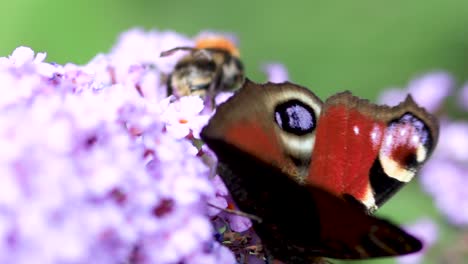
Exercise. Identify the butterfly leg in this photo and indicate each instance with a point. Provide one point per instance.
(269, 259)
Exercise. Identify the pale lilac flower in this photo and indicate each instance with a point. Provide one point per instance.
(453, 141)
(148, 83)
(276, 72)
(222, 200)
(427, 231)
(24, 75)
(76, 78)
(135, 60)
(219, 200)
(238, 223)
(444, 175)
(136, 47)
(89, 173)
(96, 75)
(183, 117)
(222, 97)
(169, 40)
(429, 90)
(463, 97)
(98, 165)
(22, 57)
(392, 96)
(23, 61)
(446, 181)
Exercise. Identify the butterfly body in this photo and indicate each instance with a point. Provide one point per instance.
(304, 167)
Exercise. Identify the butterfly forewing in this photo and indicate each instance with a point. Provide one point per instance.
(249, 121)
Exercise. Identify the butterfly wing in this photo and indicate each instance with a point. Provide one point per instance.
(302, 223)
(366, 152)
(249, 121)
(355, 149)
(264, 136)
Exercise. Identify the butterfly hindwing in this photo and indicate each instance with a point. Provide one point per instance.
(302, 223)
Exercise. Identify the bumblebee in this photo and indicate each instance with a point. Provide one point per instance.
(212, 66)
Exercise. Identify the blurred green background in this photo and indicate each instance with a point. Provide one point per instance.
(327, 45)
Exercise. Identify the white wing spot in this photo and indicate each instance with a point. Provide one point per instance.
(421, 154)
(376, 135)
(356, 130)
(403, 132)
(388, 141)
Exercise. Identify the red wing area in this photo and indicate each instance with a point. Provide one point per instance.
(368, 151)
(249, 121)
(347, 144)
(257, 141)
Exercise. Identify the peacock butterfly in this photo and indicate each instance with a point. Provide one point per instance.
(314, 172)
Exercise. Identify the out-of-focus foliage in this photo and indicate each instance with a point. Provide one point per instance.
(327, 45)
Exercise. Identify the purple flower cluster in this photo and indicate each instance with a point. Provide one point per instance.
(429, 90)
(445, 175)
(463, 98)
(98, 165)
(276, 72)
(427, 231)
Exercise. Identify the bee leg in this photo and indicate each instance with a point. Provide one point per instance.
(168, 84)
(269, 259)
(212, 91)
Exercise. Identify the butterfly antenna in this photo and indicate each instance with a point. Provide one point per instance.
(174, 50)
(237, 212)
